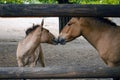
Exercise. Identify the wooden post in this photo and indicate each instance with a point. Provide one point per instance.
(117, 78)
(63, 1)
(63, 20)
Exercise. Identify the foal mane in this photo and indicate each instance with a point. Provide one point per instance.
(105, 20)
(29, 30)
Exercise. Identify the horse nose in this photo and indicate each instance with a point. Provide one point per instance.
(61, 40)
(55, 41)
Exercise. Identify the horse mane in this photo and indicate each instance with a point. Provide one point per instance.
(29, 30)
(105, 20)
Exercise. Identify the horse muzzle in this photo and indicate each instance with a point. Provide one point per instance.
(61, 40)
(55, 41)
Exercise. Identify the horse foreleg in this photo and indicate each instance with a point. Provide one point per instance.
(41, 57)
(20, 62)
(33, 64)
(113, 64)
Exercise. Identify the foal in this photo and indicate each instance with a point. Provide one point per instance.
(29, 50)
(101, 33)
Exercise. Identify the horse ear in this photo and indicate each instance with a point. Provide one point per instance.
(33, 24)
(42, 23)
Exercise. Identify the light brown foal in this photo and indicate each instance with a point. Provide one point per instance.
(29, 50)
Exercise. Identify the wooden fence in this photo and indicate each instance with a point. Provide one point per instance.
(58, 72)
(35, 10)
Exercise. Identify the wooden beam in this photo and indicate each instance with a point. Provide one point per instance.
(47, 10)
(58, 72)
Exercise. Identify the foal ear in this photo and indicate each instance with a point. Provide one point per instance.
(42, 23)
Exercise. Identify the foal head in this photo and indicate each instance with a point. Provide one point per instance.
(48, 37)
(70, 31)
(41, 34)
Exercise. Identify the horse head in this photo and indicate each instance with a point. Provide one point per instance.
(47, 36)
(70, 31)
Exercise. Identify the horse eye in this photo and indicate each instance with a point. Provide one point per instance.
(69, 24)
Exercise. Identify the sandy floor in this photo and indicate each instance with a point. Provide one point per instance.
(76, 53)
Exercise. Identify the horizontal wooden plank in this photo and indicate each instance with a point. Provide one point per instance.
(47, 10)
(58, 72)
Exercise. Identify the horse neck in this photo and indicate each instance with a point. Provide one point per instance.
(32, 41)
(93, 32)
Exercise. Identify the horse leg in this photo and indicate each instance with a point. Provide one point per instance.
(113, 64)
(105, 61)
(33, 64)
(41, 57)
(20, 62)
(33, 61)
(110, 64)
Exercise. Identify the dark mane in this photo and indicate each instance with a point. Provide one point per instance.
(29, 30)
(105, 20)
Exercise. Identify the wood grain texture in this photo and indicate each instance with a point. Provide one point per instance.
(47, 10)
(58, 72)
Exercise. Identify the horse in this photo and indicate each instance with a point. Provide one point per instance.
(101, 33)
(29, 50)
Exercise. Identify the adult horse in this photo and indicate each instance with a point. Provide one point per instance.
(29, 50)
(101, 33)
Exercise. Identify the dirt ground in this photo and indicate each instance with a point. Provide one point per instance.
(75, 53)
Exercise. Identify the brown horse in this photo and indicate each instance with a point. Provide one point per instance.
(101, 33)
(29, 49)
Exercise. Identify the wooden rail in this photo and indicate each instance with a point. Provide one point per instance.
(58, 72)
(37, 10)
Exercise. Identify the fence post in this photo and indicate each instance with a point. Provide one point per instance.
(117, 78)
(63, 20)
